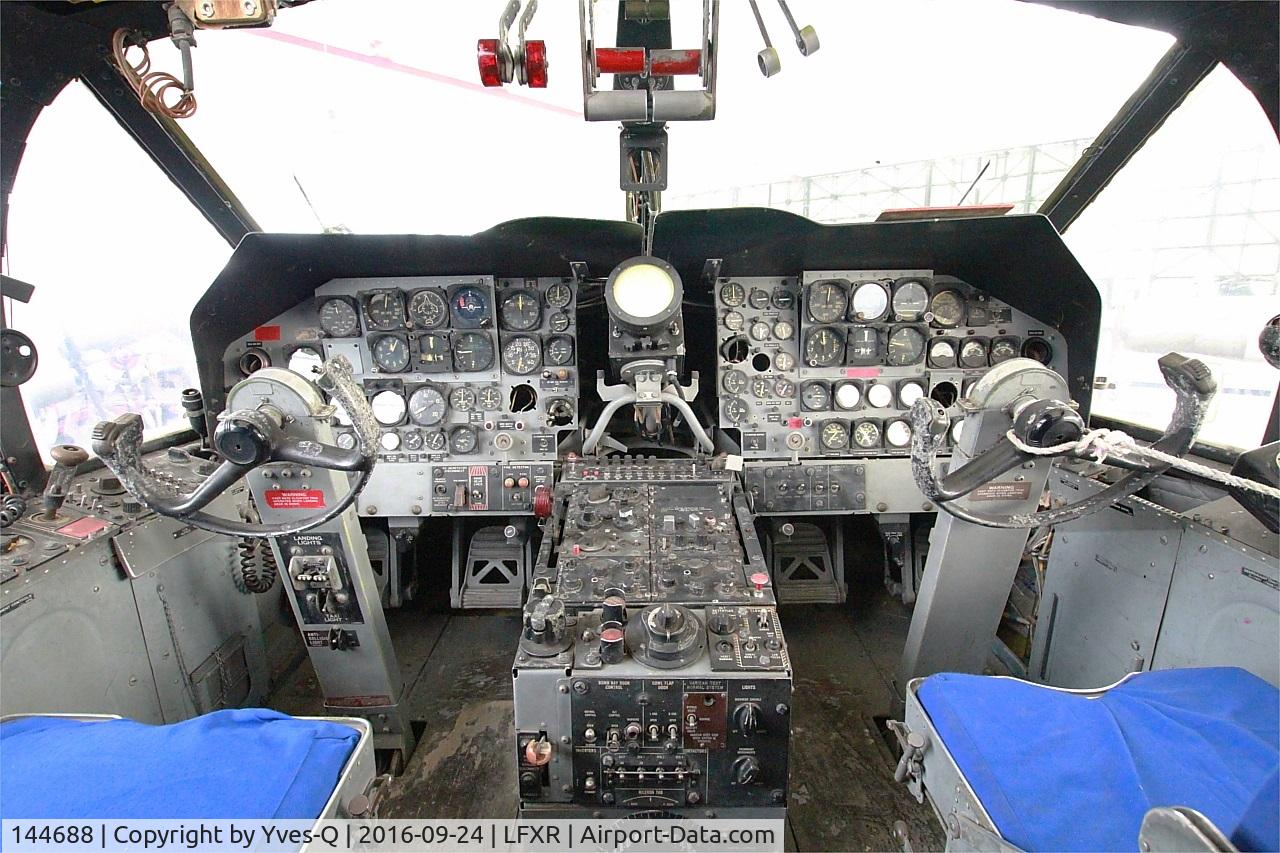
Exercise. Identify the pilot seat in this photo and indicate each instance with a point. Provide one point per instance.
(1172, 759)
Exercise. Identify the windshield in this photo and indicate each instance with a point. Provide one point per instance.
(370, 117)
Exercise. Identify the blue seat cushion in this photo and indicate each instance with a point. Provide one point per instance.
(1058, 771)
(247, 763)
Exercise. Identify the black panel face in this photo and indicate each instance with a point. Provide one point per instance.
(320, 579)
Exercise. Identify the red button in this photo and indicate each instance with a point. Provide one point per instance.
(795, 423)
(759, 580)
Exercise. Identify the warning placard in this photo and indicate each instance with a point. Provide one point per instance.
(295, 499)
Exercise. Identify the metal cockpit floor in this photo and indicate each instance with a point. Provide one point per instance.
(457, 666)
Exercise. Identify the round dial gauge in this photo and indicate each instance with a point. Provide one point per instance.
(433, 351)
(559, 321)
(427, 309)
(1038, 349)
(733, 294)
(305, 361)
(784, 388)
(866, 435)
(784, 361)
(947, 308)
(827, 301)
(905, 346)
(910, 299)
(388, 407)
(736, 410)
(490, 398)
(823, 347)
(413, 440)
(734, 381)
(761, 387)
(463, 439)
(435, 441)
(391, 353)
(760, 330)
(1003, 349)
(783, 330)
(427, 406)
(973, 354)
(957, 429)
(834, 435)
(815, 396)
(346, 440)
(909, 392)
(462, 399)
(470, 305)
(520, 311)
(390, 441)
(338, 318)
(559, 350)
(848, 395)
(472, 351)
(758, 299)
(870, 302)
(898, 434)
(733, 321)
(521, 355)
(879, 395)
(559, 295)
(864, 345)
(385, 309)
(783, 299)
(942, 353)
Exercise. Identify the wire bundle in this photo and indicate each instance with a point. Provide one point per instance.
(151, 87)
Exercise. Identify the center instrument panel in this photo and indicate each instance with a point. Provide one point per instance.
(472, 379)
(823, 369)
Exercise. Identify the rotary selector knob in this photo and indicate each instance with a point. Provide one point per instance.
(746, 717)
(746, 770)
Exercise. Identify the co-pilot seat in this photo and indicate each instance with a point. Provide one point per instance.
(1185, 758)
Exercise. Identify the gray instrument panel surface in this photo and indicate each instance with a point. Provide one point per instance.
(509, 410)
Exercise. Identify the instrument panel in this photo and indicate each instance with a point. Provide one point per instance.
(468, 370)
(828, 364)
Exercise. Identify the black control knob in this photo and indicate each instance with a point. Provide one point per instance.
(614, 609)
(746, 770)
(611, 644)
(746, 718)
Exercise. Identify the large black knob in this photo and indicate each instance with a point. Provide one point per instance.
(746, 770)
(746, 718)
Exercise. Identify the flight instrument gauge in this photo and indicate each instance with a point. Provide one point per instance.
(346, 440)
(866, 435)
(734, 381)
(905, 346)
(864, 346)
(827, 301)
(413, 440)
(815, 397)
(784, 388)
(427, 309)
(910, 299)
(391, 353)
(760, 330)
(490, 398)
(736, 410)
(462, 399)
(434, 352)
(559, 350)
(783, 299)
(823, 347)
(761, 387)
(783, 330)
(306, 361)
(898, 433)
(521, 355)
(427, 406)
(848, 395)
(870, 302)
(909, 392)
(973, 353)
(758, 299)
(338, 318)
(463, 439)
(942, 353)
(559, 321)
(435, 441)
(834, 436)
(558, 295)
(520, 311)
(1003, 349)
(472, 351)
(388, 407)
(947, 308)
(470, 306)
(879, 395)
(784, 361)
(733, 294)
(385, 309)
(733, 321)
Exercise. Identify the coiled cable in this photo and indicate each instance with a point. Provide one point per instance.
(258, 568)
(151, 87)
(12, 508)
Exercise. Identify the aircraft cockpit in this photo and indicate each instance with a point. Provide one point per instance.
(690, 469)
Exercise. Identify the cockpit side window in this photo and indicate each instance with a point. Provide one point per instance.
(1184, 246)
(118, 257)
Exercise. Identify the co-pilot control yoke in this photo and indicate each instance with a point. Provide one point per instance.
(276, 434)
